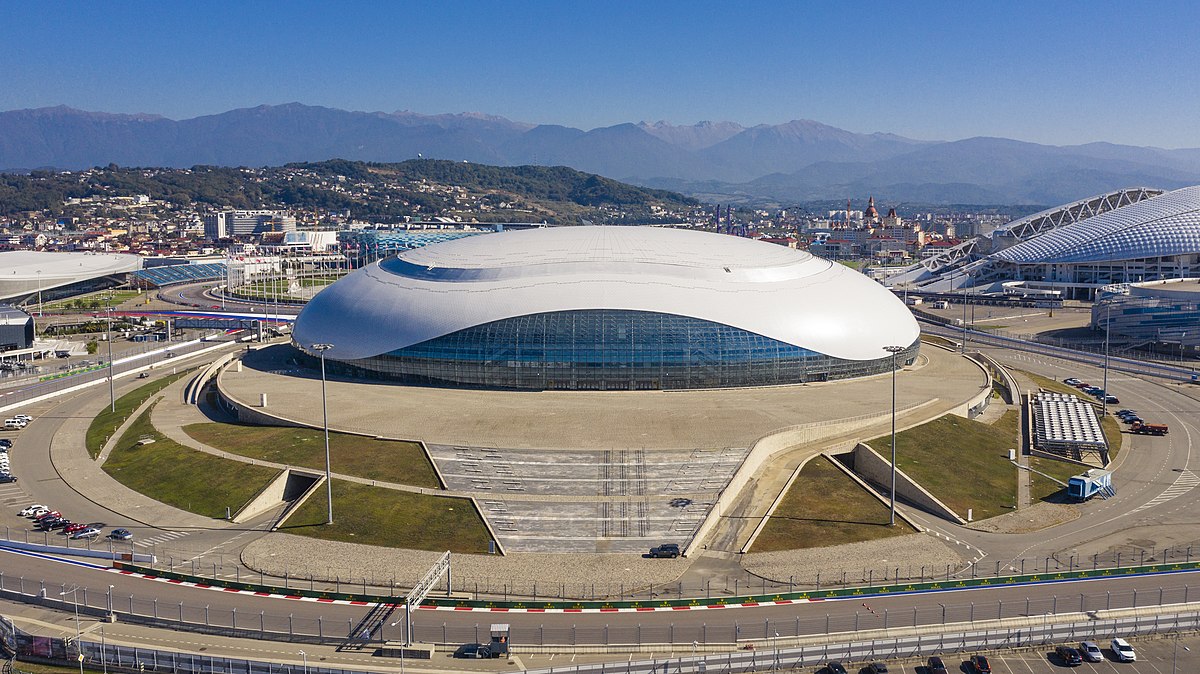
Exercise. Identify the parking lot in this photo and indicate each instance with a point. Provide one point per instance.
(1154, 656)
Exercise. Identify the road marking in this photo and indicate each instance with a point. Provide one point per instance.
(1186, 482)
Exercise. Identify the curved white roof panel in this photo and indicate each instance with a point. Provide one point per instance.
(22, 271)
(771, 290)
(1166, 225)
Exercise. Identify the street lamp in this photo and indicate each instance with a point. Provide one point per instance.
(321, 349)
(112, 397)
(1175, 655)
(893, 350)
(110, 611)
(1107, 329)
(74, 592)
(304, 656)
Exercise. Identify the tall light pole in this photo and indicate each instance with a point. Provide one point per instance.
(963, 348)
(112, 396)
(893, 350)
(74, 592)
(321, 349)
(304, 656)
(1107, 329)
(1175, 655)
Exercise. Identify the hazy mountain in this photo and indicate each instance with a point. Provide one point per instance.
(799, 143)
(695, 137)
(720, 161)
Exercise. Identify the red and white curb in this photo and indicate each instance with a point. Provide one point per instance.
(484, 609)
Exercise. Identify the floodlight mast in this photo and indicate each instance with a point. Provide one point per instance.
(321, 349)
(893, 350)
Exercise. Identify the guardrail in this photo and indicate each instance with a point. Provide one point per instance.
(869, 590)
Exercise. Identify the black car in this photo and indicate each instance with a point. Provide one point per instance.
(980, 664)
(877, 668)
(935, 666)
(665, 550)
(835, 668)
(5, 443)
(484, 651)
(7, 477)
(48, 524)
(1068, 656)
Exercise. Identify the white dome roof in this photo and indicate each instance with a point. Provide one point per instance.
(780, 293)
(1161, 226)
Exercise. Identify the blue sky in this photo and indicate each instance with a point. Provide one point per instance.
(1059, 72)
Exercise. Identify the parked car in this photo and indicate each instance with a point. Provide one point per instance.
(37, 510)
(1081, 385)
(46, 515)
(1112, 400)
(1122, 651)
(665, 550)
(120, 534)
(90, 532)
(6, 443)
(980, 664)
(835, 668)
(877, 668)
(51, 523)
(7, 478)
(935, 666)
(143, 375)
(1068, 656)
(1091, 652)
(1071, 381)
(23, 417)
(73, 527)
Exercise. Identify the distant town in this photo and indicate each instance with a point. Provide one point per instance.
(183, 222)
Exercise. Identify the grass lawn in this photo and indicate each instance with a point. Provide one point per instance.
(1042, 488)
(940, 341)
(182, 477)
(1109, 424)
(107, 422)
(963, 463)
(808, 518)
(384, 460)
(390, 518)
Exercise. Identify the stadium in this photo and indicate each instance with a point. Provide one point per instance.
(29, 275)
(1126, 236)
(607, 308)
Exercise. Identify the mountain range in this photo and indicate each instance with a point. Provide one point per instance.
(797, 161)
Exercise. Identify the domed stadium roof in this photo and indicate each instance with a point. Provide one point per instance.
(770, 290)
(1166, 225)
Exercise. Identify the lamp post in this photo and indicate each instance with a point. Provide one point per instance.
(110, 611)
(321, 349)
(1175, 655)
(74, 592)
(112, 396)
(1107, 329)
(893, 350)
(304, 657)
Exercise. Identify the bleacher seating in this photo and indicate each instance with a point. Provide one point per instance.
(181, 273)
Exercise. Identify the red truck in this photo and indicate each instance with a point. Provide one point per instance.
(1148, 429)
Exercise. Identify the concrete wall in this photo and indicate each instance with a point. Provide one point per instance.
(78, 552)
(767, 447)
(268, 497)
(877, 471)
(979, 402)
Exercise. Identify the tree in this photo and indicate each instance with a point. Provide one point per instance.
(93, 347)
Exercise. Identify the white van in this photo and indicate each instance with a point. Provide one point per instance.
(13, 424)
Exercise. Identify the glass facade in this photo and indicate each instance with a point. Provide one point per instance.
(611, 350)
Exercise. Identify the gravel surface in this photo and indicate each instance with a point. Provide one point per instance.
(869, 561)
(572, 575)
(1041, 515)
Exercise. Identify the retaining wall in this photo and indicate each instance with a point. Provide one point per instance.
(878, 471)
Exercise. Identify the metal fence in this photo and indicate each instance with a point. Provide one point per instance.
(152, 353)
(430, 626)
(757, 582)
(766, 655)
